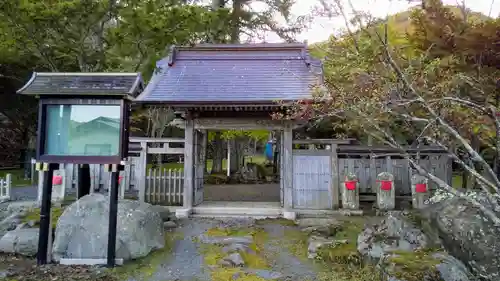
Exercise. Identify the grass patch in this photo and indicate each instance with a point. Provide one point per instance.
(147, 266)
(34, 215)
(17, 177)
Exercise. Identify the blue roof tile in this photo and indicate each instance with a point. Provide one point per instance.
(234, 73)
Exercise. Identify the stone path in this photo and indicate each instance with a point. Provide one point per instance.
(186, 262)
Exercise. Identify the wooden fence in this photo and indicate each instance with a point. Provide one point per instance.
(5, 186)
(165, 187)
(367, 162)
(319, 171)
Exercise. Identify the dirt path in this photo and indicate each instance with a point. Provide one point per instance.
(191, 260)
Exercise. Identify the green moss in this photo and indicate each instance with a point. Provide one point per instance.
(233, 274)
(349, 273)
(212, 253)
(280, 221)
(147, 266)
(229, 231)
(414, 266)
(34, 215)
(346, 254)
(295, 241)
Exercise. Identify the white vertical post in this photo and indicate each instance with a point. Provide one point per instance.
(40, 187)
(228, 162)
(141, 176)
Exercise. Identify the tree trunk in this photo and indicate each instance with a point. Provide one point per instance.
(237, 154)
(235, 21)
(218, 153)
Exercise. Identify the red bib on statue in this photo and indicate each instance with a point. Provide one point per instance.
(420, 187)
(386, 185)
(57, 180)
(350, 185)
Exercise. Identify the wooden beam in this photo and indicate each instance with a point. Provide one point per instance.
(288, 168)
(238, 123)
(324, 141)
(165, 140)
(335, 184)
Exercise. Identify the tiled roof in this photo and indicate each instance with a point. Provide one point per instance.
(83, 83)
(243, 73)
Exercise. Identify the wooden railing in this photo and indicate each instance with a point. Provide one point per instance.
(164, 187)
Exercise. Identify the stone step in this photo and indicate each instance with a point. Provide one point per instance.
(236, 212)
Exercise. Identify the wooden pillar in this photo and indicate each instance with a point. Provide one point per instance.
(188, 164)
(288, 167)
(141, 178)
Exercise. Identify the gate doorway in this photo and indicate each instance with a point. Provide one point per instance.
(238, 170)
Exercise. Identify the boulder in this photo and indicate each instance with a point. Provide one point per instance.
(10, 222)
(82, 230)
(394, 233)
(467, 234)
(20, 241)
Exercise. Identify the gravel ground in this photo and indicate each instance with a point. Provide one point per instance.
(283, 261)
(186, 263)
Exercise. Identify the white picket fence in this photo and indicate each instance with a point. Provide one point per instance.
(164, 187)
(5, 186)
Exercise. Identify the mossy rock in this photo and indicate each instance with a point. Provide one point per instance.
(414, 266)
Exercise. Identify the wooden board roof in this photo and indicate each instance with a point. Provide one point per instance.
(83, 83)
(242, 74)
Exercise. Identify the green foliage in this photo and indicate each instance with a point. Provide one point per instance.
(445, 55)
